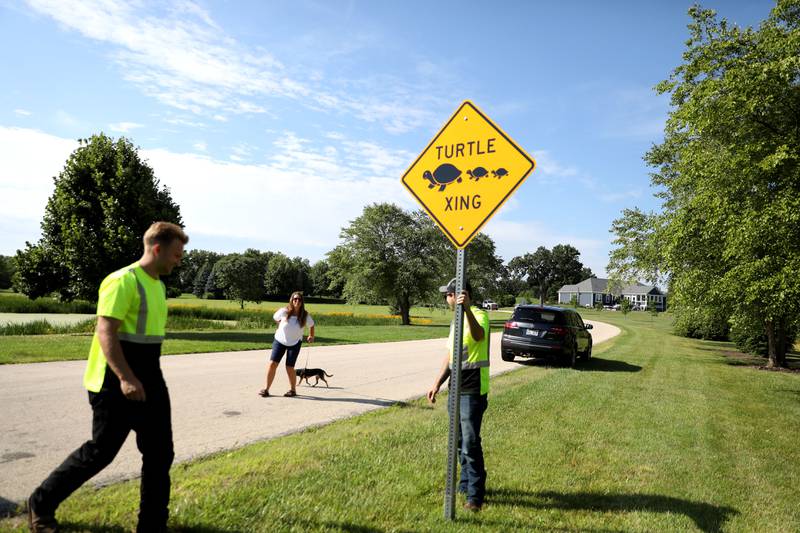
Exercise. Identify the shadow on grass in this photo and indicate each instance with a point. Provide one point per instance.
(706, 516)
(9, 508)
(227, 336)
(240, 336)
(178, 528)
(347, 527)
(595, 364)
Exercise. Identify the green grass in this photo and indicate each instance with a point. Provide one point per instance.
(657, 433)
(195, 327)
(41, 348)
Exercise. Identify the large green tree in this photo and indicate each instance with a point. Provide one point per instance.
(728, 171)
(284, 275)
(7, 269)
(191, 265)
(386, 254)
(239, 277)
(392, 256)
(545, 271)
(104, 200)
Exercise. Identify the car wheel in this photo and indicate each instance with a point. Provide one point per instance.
(507, 357)
(588, 353)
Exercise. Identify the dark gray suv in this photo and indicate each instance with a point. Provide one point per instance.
(543, 331)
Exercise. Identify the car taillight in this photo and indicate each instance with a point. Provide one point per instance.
(558, 331)
(511, 325)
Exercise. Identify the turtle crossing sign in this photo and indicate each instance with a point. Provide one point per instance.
(466, 173)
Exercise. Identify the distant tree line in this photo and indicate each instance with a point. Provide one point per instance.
(106, 196)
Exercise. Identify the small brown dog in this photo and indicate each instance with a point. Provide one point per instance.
(305, 373)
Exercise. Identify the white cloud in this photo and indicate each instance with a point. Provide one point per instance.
(23, 112)
(179, 121)
(200, 146)
(612, 197)
(185, 60)
(30, 160)
(300, 201)
(125, 127)
(514, 238)
(546, 164)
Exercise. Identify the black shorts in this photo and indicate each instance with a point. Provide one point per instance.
(291, 352)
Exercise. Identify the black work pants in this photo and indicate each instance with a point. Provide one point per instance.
(114, 416)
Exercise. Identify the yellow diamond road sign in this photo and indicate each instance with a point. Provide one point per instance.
(466, 173)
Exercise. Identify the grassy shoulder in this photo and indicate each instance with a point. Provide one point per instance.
(656, 433)
(42, 348)
(187, 334)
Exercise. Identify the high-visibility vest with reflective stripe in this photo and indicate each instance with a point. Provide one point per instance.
(475, 354)
(139, 302)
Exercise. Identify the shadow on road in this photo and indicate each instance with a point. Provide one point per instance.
(706, 516)
(367, 401)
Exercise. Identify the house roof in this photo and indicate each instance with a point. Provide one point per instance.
(600, 285)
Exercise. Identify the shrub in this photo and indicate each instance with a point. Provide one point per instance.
(506, 300)
(43, 327)
(701, 323)
(18, 303)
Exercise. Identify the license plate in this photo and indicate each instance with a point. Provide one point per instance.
(532, 332)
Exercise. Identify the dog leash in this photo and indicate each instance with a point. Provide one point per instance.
(307, 356)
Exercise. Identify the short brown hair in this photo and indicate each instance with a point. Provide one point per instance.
(164, 233)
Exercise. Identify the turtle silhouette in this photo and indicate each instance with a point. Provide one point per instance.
(443, 176)
(499, 173)
(477, 173)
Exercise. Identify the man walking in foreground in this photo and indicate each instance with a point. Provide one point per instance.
(126, 388)
(474, 391)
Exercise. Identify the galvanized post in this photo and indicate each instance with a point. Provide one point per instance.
(455, 391)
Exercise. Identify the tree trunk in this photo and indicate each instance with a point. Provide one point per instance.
(776, 358)
(405, 308)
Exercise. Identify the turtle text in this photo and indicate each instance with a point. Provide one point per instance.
(469, 148)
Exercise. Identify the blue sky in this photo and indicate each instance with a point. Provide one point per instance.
(275, 123)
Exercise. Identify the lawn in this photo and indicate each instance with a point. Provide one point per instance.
(656, 433)
(426, 324)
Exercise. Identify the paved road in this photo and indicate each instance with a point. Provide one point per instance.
(45, 413)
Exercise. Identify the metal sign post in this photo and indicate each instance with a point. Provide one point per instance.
(464, 175)
(453, 401)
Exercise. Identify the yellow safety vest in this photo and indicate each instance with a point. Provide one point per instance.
(475, 354)
(140, 302)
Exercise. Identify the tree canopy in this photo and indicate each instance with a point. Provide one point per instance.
(728, 172)
(239, 277)
(548, 270)
(104, 200)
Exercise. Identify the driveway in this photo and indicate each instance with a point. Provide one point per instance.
(215, 405)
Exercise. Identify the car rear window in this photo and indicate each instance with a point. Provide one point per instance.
(539, 316)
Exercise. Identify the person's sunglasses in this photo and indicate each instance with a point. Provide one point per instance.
(296, 299)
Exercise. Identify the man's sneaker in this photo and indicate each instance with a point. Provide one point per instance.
(472, 506)
(40, 523)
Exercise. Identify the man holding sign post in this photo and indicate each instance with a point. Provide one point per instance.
(469, 169)
(474, 392)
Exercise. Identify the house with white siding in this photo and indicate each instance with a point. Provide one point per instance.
(595, 291)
